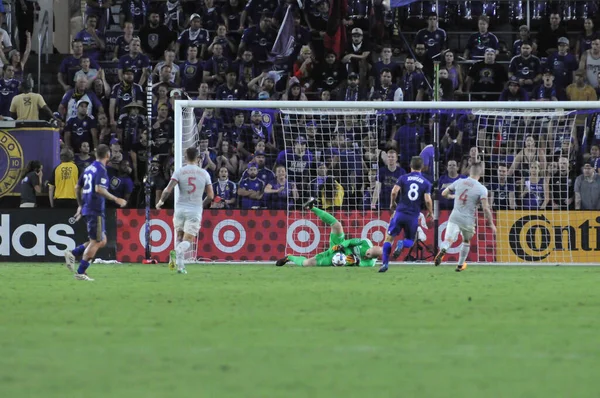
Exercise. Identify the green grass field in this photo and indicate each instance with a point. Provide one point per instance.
(257, 331)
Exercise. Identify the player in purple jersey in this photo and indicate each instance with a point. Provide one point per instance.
(92, 191)
(414, 189)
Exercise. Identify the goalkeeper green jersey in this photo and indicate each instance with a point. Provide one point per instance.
(358, 247)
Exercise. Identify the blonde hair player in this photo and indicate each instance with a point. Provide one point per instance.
(193, 182)
(468, 193)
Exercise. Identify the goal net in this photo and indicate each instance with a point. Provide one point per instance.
(349, 156)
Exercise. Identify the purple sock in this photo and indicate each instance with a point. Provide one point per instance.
(83, 266)
(78, 251)
(387, 249)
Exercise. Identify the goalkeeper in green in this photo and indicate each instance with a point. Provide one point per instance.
(359, 252)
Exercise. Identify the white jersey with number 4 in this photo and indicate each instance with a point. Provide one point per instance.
(191, 180)
(467, 196)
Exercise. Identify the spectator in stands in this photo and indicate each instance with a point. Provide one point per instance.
(357, 58)
(247, 68)
(526, 67)
(104, 130)
(174, 75)
(584, 41)
(251, 189)
(229, 46)
(173, 12)
(116, 156)
(31, 183)
(102, 91)
(562, 64)
(299, 161)
(139, 158)
(124, 93)
(282, 193)
(486, 76)
(467, 126)
(24, 13)
(155, 37)
(303, 66)
(193, 35)
(514, 91)
(92, 39)
(233, 133)
(561, 186)
(228, 158)
(524, 35)
(230, 90)
(210, 15)
(590, 62)
(9, 87)
(27, 105)
(446, 179)
(123, 42)
(163, 131)
(5, 43)
(472, 158)
(547, 90)
(529, 154)
(385, 62)
(581, 90)
(593, 157)
(225, 191)
(211, 127)
(454, 71)
(446, 87)
(161, 98)
(257, 9)
(90, 74)
(14, 58)
(387, 90)
(216, 67)
(549, 34)
(332, 194)
(413, 82)
(252, 135)
(561, 139)
(330, 74)
(294, 91)
(100, 9)
(135, 61)
(62, 181)
(481, 41)
(259, 38)
(502, 191)
(231, 13)
(262, 83)
(587, 189)
(131, 125)
(386, 180)
(264, 173)
(452, 143)
(406, 140)
(423, 62)
(535, 193)
(121, 184)
(69, 103)
(135, 11)
(83, 158)
(81, 128)
(434, 38)
(70, 65)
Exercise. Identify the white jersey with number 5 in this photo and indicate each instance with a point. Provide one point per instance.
(191, 180)
(467, 196)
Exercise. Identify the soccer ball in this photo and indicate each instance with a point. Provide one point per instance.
(338, 260)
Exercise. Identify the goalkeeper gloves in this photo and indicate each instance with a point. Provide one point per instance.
(352, 260)
(337, 248)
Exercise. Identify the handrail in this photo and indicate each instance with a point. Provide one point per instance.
(43, 33)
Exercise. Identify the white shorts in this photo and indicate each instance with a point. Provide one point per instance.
(187, 221)
(453, 229)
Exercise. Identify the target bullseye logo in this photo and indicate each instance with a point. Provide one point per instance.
(300, 232)
(374, 231)
(161, 235)
(229, 236)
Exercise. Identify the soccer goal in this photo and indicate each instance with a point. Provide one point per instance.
(349, 155)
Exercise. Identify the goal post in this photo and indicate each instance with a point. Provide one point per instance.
(525, 147)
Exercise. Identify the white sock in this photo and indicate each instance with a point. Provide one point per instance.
(464, 252)
(445, 245)
(180, 249)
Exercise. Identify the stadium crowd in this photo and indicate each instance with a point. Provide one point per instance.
(224, 49)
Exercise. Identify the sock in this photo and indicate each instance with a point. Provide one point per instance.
(464, 252)
(179, 261)
(387, 249)
(78, 251)
(182, 247)
(324, 216)
(83, 266)
(298, 260)
(445, 245)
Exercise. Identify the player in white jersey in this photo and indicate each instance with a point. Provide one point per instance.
(193, 181)
(468, 193)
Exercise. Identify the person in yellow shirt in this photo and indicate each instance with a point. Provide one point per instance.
(581, 90)
(62, 182)
(27, 105)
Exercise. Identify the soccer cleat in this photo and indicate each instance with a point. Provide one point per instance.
(310, 203)
(172, 260)
(282, 261)
(70, 260)
(181, 271)
(398, 250)
(83, 277)
(462, 267)
(383, 268)
(440, 257)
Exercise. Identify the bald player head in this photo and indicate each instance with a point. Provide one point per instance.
(476, 170)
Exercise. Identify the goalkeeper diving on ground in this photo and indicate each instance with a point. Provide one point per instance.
(358, 252)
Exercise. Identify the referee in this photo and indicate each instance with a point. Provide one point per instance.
(62, 182)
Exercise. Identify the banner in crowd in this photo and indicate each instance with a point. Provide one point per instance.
(18, 147)
(262, 235)
(545, 236)
(42, 235)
